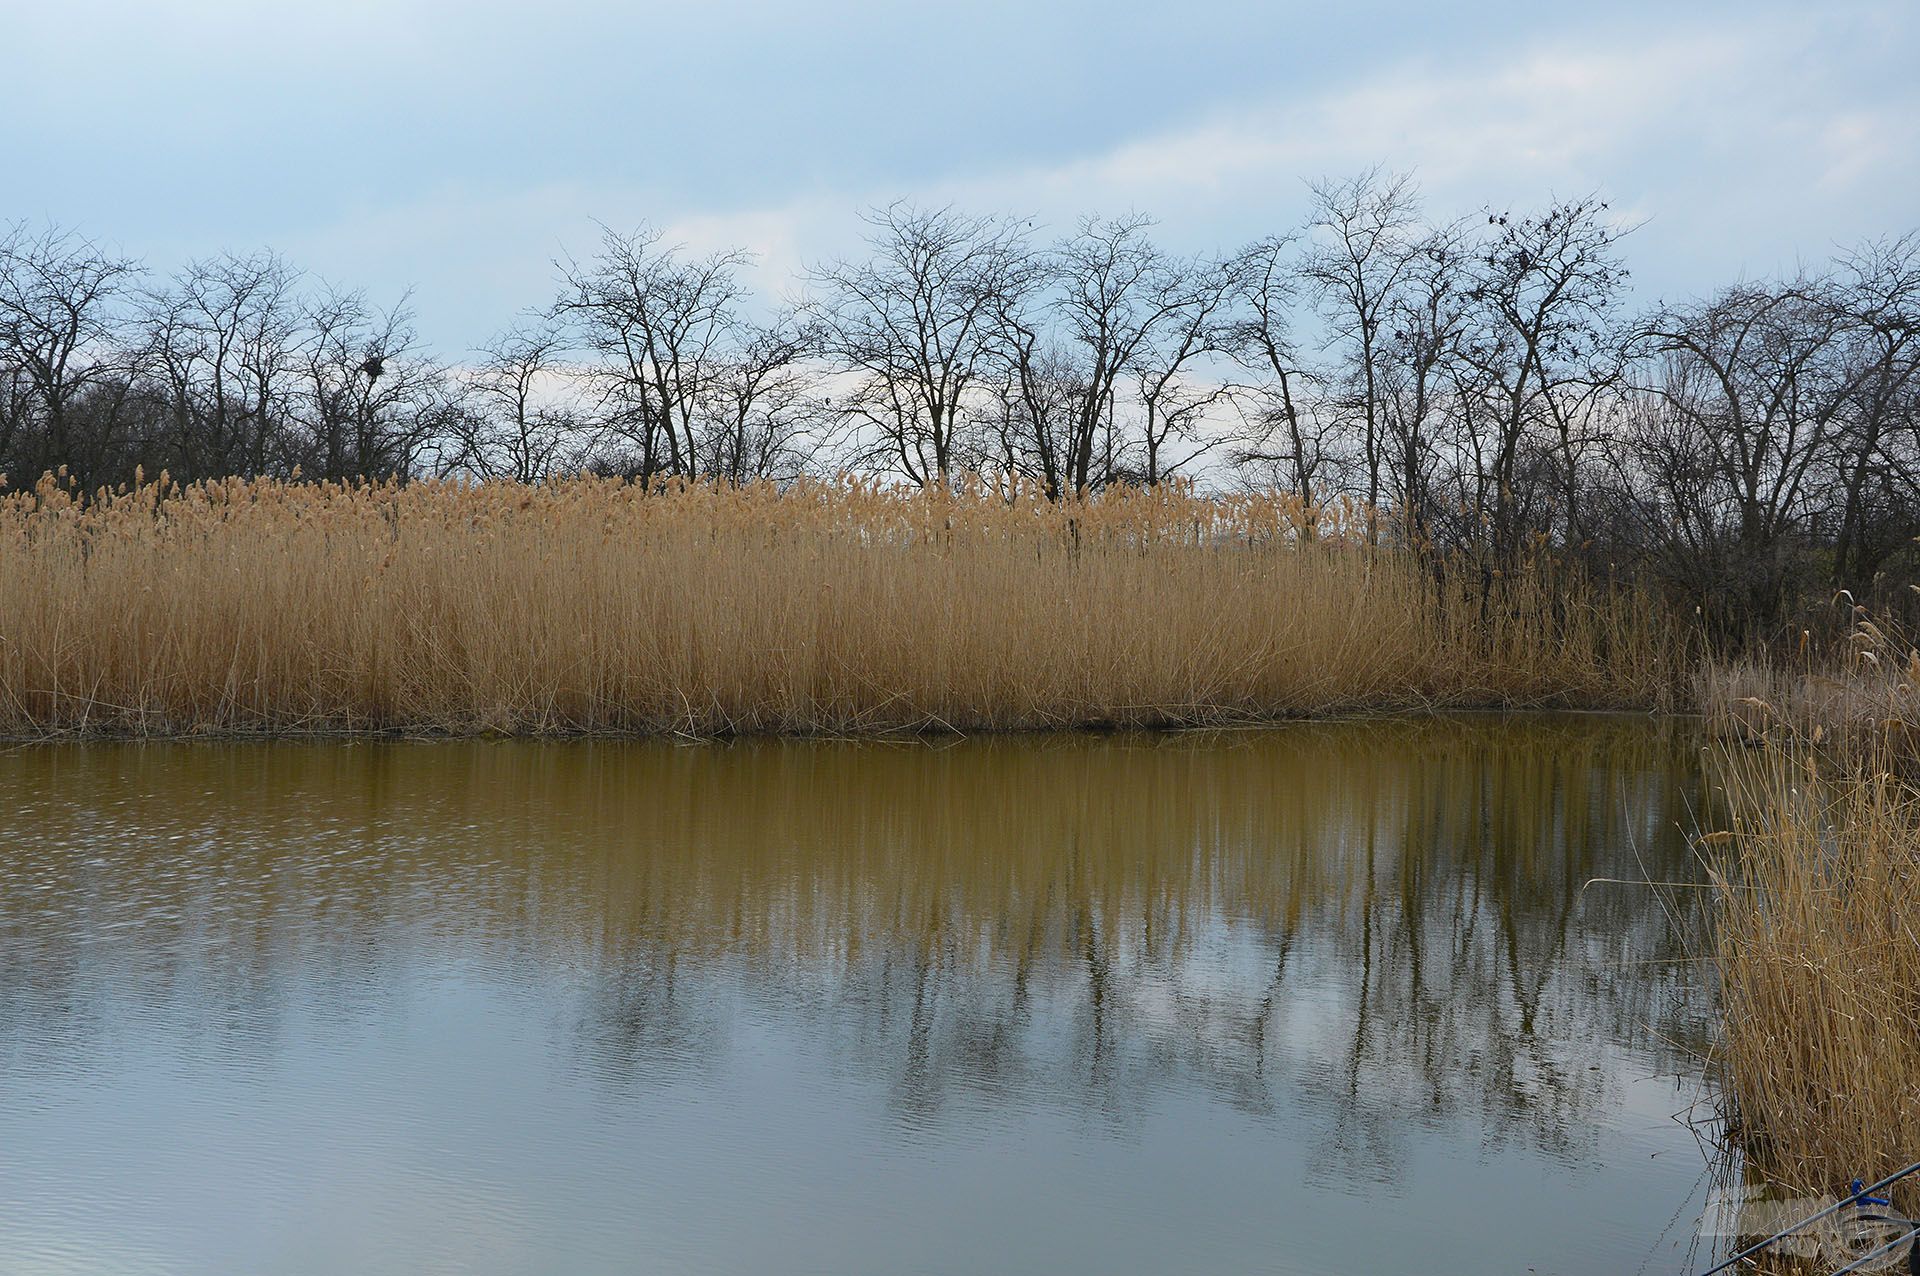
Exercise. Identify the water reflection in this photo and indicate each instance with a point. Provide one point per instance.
(1373, 938)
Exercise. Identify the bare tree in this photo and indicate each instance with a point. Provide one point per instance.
(1425, 321)
(912, 327)
(661, 325)
(370, 398)
(1113, 337)
(1177, 390)
(1537, 344)
(61, 298)
(1877, 289)
(514, 423)
(764, 415)
(1289, 440)
(1362, 229)
(1747, 405)
(222, 340)
(1036, 393)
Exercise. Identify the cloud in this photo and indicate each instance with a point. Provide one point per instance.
(1634, 120)
(1746, 148)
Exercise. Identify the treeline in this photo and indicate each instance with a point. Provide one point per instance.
(1483, 383)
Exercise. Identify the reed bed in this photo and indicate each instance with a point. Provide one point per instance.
(1862, 708)
(1818, 942)
(594, 605)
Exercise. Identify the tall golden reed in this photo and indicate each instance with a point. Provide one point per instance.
(826, 607)
(1818, 941)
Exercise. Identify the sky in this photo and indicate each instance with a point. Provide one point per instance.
(458, 149)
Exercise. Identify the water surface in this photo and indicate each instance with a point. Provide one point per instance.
(1331, 998)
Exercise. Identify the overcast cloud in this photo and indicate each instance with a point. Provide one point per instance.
(458, 148)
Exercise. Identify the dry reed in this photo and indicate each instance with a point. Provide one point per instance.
(1819, 919)
(598, 605)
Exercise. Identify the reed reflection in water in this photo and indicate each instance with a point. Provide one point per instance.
(1319, 998)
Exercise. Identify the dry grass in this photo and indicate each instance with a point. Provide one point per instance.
(1864, 707)
(1819, 930)
(595, 605)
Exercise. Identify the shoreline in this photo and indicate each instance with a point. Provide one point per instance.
(932, 735)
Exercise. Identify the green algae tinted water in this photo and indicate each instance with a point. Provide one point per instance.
(1327, 998)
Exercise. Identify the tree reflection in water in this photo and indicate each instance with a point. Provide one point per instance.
(1381, 925)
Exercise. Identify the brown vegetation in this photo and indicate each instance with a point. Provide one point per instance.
(1819, 935)
(602, 605)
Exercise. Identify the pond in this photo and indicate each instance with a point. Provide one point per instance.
(1337, 997)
